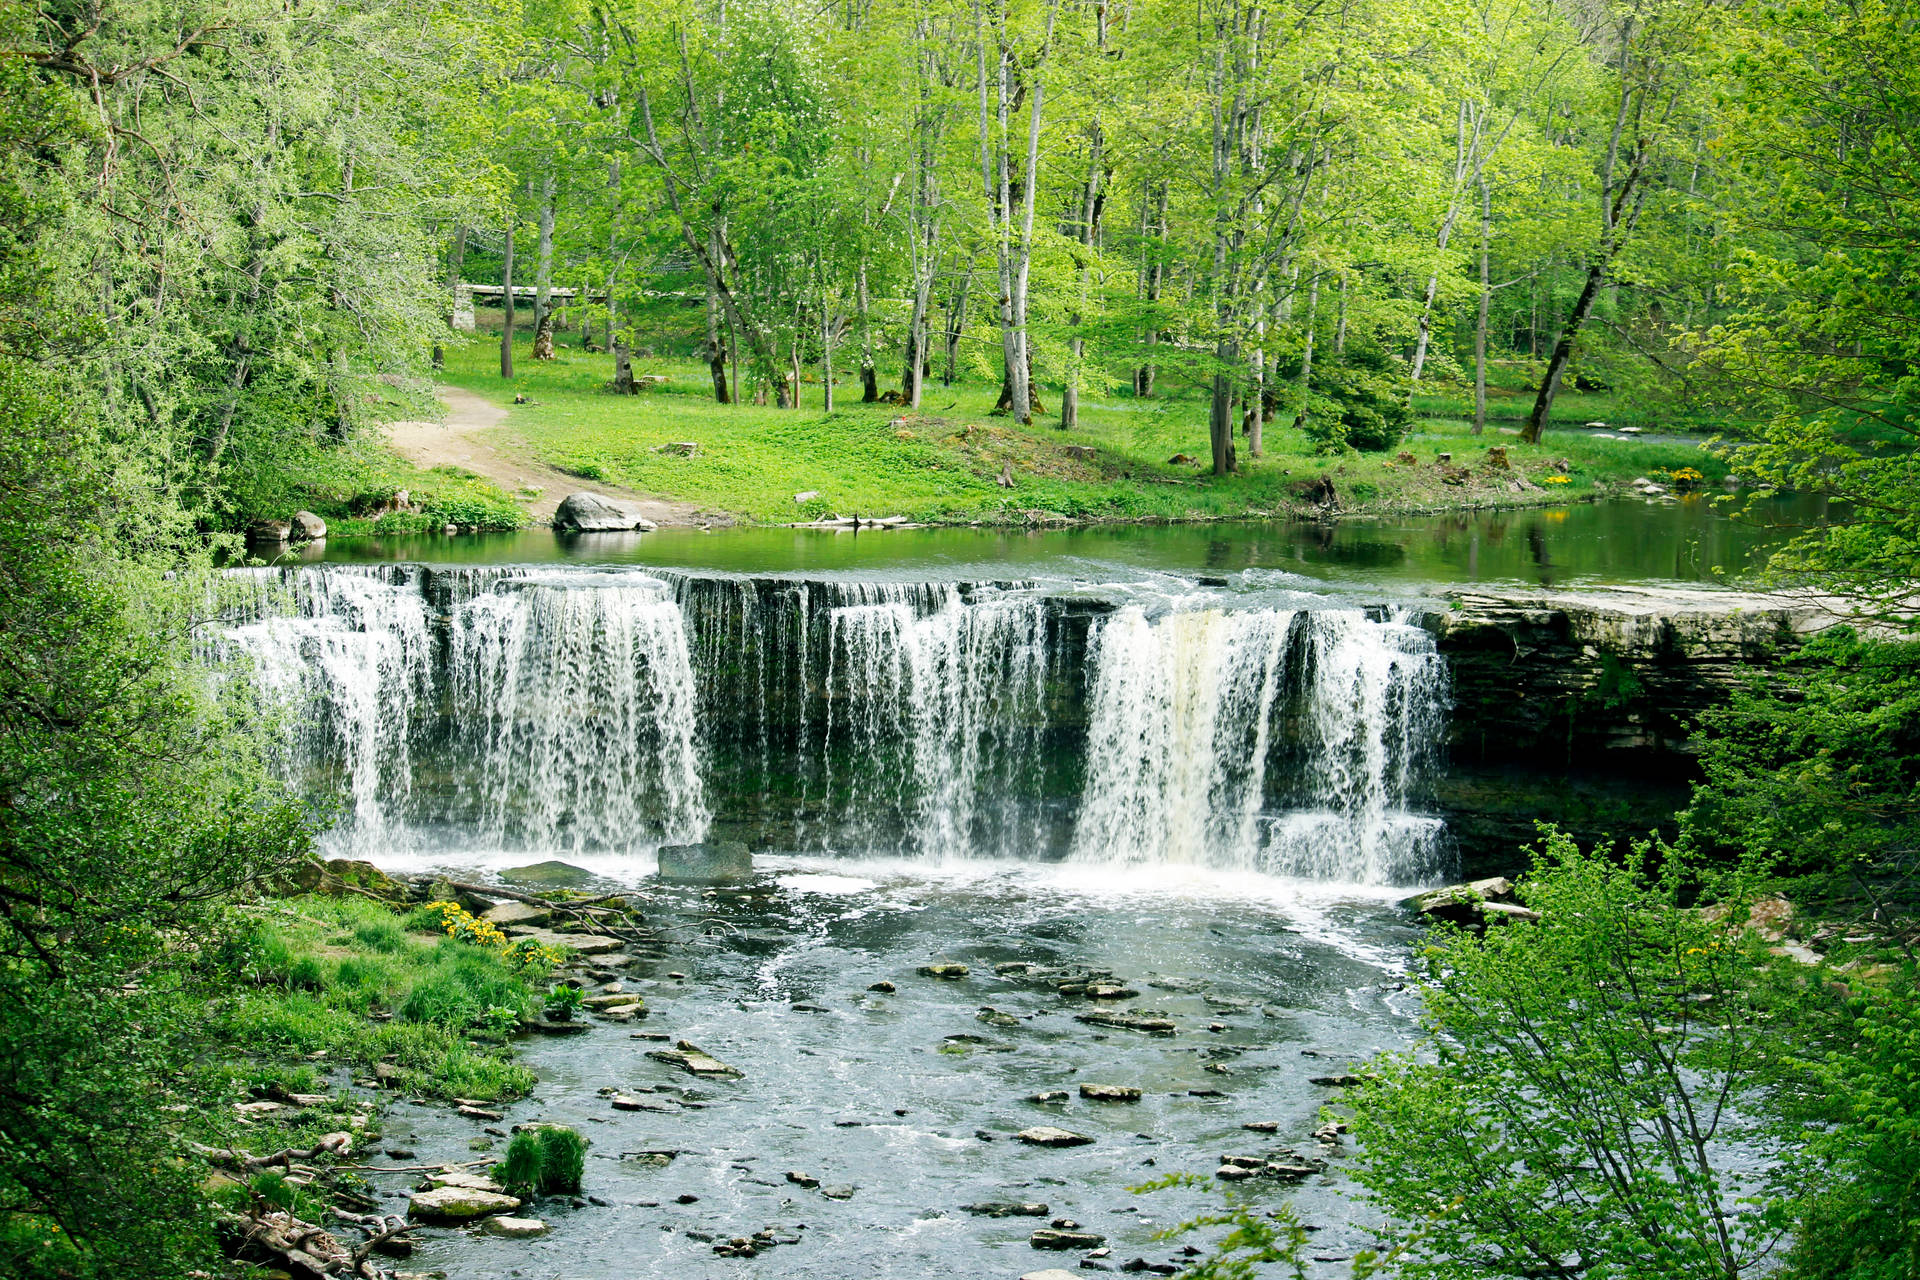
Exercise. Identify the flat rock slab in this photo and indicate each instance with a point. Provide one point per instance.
(549, 1027)
(1007, 1209)
(1049, 1238)
(951, 972)
(1127, 1022)
(694, 1060)
(466, 1181)
(627, 1102)
(586, 944)
(1046, 1135)
(1052, 1273)
(551, 874)
(459, 1204)
(514, 1228)
(1109, 1093)
(523, 914)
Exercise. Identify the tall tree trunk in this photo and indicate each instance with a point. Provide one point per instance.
(869, 373)
(1152, 274)
(506, 302)
(1220, 411)
(1087, 232)
(1306, 351)
(1563, 352)
(956, 325)
(543, 263)
(826, 348)
(1480, 316)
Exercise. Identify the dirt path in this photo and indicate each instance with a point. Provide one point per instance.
(475, 436)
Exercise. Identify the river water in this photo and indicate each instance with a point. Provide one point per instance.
(1196, 757)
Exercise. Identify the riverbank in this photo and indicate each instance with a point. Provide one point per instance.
(1128, 460)
(952, 462)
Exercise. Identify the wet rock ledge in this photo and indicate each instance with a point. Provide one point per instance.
(1578, 706)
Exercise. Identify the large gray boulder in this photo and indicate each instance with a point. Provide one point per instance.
(714, 862)
(458, 1204)
(307, 527)
(595, 513)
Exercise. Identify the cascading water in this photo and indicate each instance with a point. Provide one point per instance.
(1189, 710)
(348, 655)
(943, 706)
(581, 711)
(1177, 736)
(575, 704)
(539, 714)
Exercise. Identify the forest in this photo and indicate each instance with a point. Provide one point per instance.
(1226, 261)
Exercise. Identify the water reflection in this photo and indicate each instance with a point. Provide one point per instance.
(1694, 539)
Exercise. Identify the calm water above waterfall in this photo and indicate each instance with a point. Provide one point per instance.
(1690, 540)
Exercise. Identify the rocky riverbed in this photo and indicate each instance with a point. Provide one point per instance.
(934, 1072)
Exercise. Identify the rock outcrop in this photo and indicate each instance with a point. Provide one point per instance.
(596, 513)
(1577, 707)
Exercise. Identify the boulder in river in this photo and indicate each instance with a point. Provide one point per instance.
(514, 1228)
(711, 862)
(1046, 1135)
(459, 1204)
(1052, 1273)
(1007, 1209)
(951, 972)
(596, 513)
(1128, 1021)
(1109, 1093)
(1468, 904)
(306, 527)
(1051, 1238)
(551, 874)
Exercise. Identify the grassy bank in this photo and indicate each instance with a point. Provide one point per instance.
(940, 463)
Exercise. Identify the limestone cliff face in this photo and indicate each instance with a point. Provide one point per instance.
(1577, 707)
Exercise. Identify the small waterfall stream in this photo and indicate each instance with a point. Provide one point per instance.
(575, 712)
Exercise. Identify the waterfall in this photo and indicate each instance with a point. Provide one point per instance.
(347, 654)
(575, 704)
(942, 704)
(1181, 736)
(1177, 736)
(577, 711)
(558, 718)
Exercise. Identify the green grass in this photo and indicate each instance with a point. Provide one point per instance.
(939, 463)
(345, 977)
(345, 485)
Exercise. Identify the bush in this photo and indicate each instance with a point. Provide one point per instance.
(550, 1160)
(563, 1160)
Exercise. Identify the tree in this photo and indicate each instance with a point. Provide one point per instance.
(1822, 337)
(1655, 47)
(1584, 1083)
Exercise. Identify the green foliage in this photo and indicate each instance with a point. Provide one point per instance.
(1812, 772)
(563, 1160)
(1360, 403)
(1582, 1090)
(550, 1160)
(1864, 1224)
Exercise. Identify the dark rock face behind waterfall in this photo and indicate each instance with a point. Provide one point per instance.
(581, 711)
(1578, 706)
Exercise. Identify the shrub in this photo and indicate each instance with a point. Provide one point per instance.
(519, 1172)
(563, 1160)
